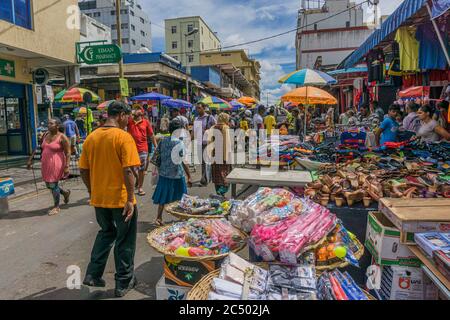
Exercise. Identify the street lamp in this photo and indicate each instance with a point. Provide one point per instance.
(188, 68)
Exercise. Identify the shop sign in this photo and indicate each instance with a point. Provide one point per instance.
(40, 76)
(101, 54)
(124, 90)
(7, 68)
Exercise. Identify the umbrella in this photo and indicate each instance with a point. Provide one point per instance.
(177, 103)
(308, 77)
(75, 95)
(216, 103)
(81, 110)
(309, 95)
(105, 105)
(248, 101)
(152, 96)
(236, 105)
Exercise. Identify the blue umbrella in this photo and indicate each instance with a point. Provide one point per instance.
(236, 105)
(152, 96)
(308, 77)
(177, 103)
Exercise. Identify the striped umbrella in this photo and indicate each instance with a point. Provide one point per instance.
(105, 105)
(216, 103)
(75, 95)
(308, 77)
(236, 105)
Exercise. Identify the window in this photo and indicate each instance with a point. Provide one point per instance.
(190, 43)
(203, 46)
(315, 26)
(89, 14)
(347, 24)
(175, 57)
(142, 20)
(88, 5)
(113, 12)
(124, 11)
(124, 26)
(174, 45)
(96, 14)
(143, 45)
(17, 12)
(174, 29)
(132, 12)
(115, 41)
(113, 26)
(191, 58)
(133, 42)
(202, 30)
(125, 41)
(142, 33)
(133, 27)
(190, 28)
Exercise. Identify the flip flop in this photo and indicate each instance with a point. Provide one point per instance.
(54, 211)
(141, 193)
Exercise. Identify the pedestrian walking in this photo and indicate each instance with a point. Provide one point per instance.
(106, 165)
(171, 182)
(270, 122)
(72, 133)
(221, 168)
(142, 132)
(206, 121)
(55, 159)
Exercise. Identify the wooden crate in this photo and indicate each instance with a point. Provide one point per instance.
(417, 215)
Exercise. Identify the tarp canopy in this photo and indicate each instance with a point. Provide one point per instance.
(406, 10)
(415, 92)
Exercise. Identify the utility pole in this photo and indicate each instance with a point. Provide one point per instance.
(119, 38)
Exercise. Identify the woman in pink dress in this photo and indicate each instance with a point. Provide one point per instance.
(55, 159)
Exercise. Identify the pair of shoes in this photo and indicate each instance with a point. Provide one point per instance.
(94, 282)
(121, 292)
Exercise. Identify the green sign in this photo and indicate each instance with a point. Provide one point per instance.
(124, 90)
(101, 54)
(7, 68)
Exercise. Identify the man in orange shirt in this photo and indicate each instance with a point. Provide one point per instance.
(106, 165)
(141, 130)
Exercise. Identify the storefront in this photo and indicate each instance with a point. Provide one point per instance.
(17, 127)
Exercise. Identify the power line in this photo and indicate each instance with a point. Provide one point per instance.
(275, 35)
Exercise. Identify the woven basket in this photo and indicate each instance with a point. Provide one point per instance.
(202, 288)
(174, 210)
(162, 250)
(343, 264)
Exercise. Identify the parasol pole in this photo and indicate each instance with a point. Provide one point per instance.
(306, 108)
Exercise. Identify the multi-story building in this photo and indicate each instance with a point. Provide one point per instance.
(329, 30)
(33, 35)
(187, 37)
(135, 23)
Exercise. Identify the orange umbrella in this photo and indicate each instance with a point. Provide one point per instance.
(309, 95)
(248, 101)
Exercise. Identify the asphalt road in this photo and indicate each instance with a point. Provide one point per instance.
(36, 249)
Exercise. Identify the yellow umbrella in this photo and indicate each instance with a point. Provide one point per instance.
(310, 96)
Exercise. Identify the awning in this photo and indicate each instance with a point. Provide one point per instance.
(349, 70)
(406, 10)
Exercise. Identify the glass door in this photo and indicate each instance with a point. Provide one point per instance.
(3, 129)
(15, 126)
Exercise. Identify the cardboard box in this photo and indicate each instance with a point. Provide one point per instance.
(383, 242)
(169, 292)
(186, 273)
(406, 283)
(6, 187)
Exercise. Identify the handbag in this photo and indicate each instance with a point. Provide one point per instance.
(156, 158)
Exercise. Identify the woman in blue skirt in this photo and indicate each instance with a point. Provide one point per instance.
(171, 184)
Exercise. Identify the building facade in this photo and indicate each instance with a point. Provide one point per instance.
(324, 37)
(33, 35)
(135, 23)
(239, 71)
(185, 44)
(93, 30)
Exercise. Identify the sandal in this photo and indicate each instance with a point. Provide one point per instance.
(67, 197)
(141, 193)
(54, 211)
(159, 223)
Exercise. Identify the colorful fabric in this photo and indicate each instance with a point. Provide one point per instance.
(409, 49)
(169, 190)
(431, 55)
(168, 168)
(106, 152)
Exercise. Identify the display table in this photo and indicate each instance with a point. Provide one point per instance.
(267, 178)
(432, 272)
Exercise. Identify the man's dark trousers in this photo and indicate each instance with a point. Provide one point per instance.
(114, 231)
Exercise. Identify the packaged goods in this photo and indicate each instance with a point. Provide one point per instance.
(432, 241)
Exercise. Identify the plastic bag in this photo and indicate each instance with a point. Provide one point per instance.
(155, 177)
(208, 173)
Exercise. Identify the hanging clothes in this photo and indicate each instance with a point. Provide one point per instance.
(409, 49)
(431, 55)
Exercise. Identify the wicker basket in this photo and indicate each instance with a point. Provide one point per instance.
(202, 288)
(342, 264)
(163, 251)
(175, 211)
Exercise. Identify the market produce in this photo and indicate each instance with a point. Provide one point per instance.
(199, 237)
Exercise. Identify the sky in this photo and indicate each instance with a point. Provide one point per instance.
(238, 21)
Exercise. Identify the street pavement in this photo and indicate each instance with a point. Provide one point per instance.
(37, 249)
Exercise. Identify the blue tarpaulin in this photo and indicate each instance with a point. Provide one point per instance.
(439, 8)
(407, 9)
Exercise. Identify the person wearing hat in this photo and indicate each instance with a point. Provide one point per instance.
(107, 163)
(141, 130)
